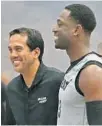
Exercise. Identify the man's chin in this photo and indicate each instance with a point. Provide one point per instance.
(17, 70)
(58, 47)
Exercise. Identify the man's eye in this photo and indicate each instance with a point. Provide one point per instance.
(10, 50)
(18, 49)
(59, 24)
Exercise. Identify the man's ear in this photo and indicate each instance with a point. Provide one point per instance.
(36, 53)
(78, 29)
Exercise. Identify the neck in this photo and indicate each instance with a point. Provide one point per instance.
(30, 73)
(77, 51)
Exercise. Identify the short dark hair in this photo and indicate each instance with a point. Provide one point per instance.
(83, 15)
(34, 39)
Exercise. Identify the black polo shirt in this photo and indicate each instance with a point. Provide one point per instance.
(38, 104)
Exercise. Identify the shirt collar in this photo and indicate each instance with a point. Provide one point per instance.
(39, 76)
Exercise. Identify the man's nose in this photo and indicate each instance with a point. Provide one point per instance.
(55, 29)
(13, 54)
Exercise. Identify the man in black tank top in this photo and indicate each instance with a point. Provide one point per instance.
(72, 33)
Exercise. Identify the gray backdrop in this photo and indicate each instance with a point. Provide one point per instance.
(42, 16)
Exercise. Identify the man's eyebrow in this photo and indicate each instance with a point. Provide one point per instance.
(16, 46)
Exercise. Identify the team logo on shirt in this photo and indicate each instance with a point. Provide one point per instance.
(65, 83)
(42, 100)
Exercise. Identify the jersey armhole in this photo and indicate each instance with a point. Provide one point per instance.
(78, 75)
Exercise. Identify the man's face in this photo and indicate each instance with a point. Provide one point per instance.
(19, 53)
(64, 30)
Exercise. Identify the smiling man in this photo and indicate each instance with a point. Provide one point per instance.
(80, 95)
(33, 95)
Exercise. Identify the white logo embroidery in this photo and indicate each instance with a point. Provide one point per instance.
(42, 100)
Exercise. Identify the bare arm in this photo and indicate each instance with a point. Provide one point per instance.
(90, 83)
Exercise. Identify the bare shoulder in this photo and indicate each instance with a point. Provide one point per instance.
(90, 82)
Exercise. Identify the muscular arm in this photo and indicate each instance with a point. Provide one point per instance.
(90, 83)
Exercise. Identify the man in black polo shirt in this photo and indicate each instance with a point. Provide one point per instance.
(33, 95)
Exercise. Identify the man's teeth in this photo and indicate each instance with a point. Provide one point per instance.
(16, 61)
